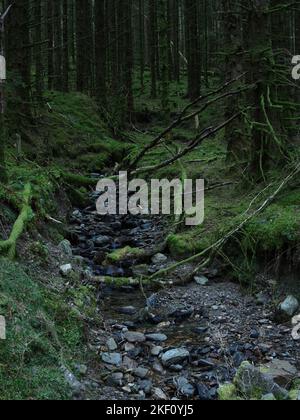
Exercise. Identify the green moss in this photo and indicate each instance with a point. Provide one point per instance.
(228, 392)
(123, 254)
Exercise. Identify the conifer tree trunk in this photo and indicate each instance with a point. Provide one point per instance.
(50, 34)
(66, 48)
(100, 51)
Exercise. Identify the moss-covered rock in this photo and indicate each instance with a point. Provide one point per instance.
(122, 254)
(228, 392)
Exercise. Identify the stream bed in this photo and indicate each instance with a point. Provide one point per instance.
(172, 342)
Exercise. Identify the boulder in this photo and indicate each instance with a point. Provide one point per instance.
(280, 371)
(252, 383)
(289, 307)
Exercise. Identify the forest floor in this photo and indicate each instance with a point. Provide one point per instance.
(86, 331)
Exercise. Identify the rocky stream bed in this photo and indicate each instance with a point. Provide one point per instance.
(173, 342)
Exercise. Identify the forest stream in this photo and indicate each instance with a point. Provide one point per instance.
(172, 340)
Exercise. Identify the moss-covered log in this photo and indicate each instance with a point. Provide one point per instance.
(78, 180)
(8, 247)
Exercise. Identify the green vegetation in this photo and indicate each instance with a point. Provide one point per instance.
(43, 334)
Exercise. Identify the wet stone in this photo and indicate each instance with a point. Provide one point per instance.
(114, 359)
(111, 344)
(155, 351)
(141, 372)
(159, 338)
(127, 310)
(173, 357)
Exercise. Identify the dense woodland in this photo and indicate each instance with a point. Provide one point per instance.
(164, 88)
(115, 51)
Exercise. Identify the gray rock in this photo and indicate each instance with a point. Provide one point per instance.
(157, 367)
(158, 394)
(141, 372)
(176, 368)
(127, 310)
(66, 269)
(82, 369)
(159, 338)
(155, 351)
(201, 280)
(146, 386)
(111, 344)
(134, 337)
(184, 387)
(290, 306)
(159, 259)
(72, 381)
(280, 371)
(250, 381)
(66, 247)
(129, 364)
(115, 379)
(114, 359)
(173, 357)
(102, 240)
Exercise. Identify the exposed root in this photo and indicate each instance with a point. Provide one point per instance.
(8, 247)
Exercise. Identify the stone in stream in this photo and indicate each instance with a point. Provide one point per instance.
(201, 280)
(159, 394)
(114, 359)
(146, 386)
(111, 344)
(134, 337)
(127, 310)
(66, 269)
(203, 392)
(184, 387)
(159, 259)
(141, 372)
(156, 350)
(159, 338)
(289, 307)
(173, 357)
(102, 240)
(176, 368)
(115, 379)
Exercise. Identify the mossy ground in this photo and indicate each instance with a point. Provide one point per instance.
(42, 334)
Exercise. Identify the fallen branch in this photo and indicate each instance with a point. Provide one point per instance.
(193, 145)
(9, 246)
(214, 248)
(183, 117)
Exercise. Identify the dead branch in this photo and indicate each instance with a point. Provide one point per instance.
(214, 248)
(183, 117)
(193, 145)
